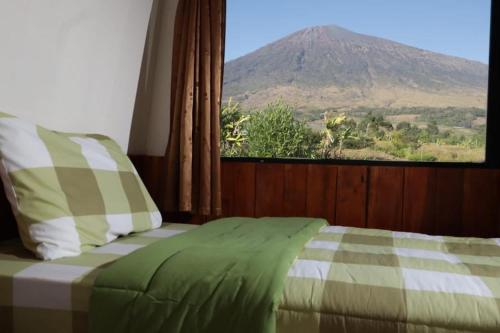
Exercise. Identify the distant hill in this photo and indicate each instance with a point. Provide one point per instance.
(331, 67)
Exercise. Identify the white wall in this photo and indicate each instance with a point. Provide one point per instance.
(73, 65)
(150, 127)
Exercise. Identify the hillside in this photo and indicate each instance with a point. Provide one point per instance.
(331, 67)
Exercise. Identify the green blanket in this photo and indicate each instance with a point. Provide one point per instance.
(226, 276)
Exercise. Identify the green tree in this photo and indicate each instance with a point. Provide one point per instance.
(233, 134)
(274, 132)
(338, 131)
(404, 125)
(374, 126)
(432, 128)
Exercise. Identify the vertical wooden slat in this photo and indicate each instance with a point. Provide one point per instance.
(447, 201)
(269, 189)
(449, 198)
(385, 198)
(321, 191)
(199, 220)
(238, 189)
(351, 196)
(295, 191)
(419, 200)
(228, 181)
(244, 189)
(481, 203)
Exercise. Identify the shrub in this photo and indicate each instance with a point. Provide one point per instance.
(338, 130)
(358, 143)
(422, 157)
(274, 132)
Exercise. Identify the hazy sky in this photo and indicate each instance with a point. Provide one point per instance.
(454, 27)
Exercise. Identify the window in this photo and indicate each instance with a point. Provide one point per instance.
(383, 80)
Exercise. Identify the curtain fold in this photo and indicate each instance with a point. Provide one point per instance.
(193, 154)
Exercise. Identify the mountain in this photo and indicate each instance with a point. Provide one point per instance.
(331, 67)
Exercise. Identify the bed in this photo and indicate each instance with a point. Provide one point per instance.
(343, 280)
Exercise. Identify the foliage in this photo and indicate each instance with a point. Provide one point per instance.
(374, 125)
(337, 130)
(422, 157)
(274, 132)
(281, 131)
(449, 116)
(403, 126)
(432, 128)
(478, 140)
(234, 137)
(342, 133)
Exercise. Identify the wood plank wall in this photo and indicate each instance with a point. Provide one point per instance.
(462, 202)
(445, 201)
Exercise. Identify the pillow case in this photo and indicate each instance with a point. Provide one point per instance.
(70, 192)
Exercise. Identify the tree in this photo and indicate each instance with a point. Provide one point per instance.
(432, 128)
(274, 132)
(374, 126)
(233, 134)
(337, 131)
(404, 125)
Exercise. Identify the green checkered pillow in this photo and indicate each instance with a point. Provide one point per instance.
(70, 192)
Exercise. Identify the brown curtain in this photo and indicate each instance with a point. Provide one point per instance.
(193, 152)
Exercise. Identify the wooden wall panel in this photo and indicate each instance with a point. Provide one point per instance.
(449, 198)
(419, 200)
(385, 198)
(321, 191)
(295, 190)
(238, 189)
(244, 190)
(445, 201)
(351, 196)
(228, 184)
(269, 189)
(481, 203)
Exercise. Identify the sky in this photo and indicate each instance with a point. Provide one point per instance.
(454, 27)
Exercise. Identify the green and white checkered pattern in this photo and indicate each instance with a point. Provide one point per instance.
(345, 280)
(361, 280)
(41, 296)
(70, 192)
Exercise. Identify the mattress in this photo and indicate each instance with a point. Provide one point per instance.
(344, 280)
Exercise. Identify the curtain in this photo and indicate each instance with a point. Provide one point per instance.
(193, 153)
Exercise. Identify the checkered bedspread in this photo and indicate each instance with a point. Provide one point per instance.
(53, 296)
(344, 280)
(361, 280)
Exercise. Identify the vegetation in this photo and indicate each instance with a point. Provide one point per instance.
(233, 131)
(416, 134)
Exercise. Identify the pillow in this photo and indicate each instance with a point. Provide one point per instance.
(70, 192)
